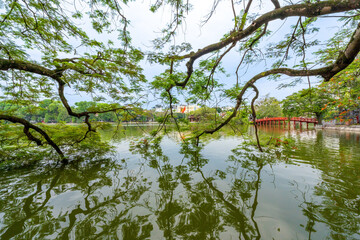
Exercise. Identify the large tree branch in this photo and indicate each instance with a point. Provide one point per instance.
(27, 125)
(344, 60)
(6, 64)
(56, 75)
(305, 9)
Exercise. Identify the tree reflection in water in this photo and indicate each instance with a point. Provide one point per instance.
(100, 201)
(335, 200)
(160, 198)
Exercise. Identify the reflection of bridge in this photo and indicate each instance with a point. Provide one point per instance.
(283, 120)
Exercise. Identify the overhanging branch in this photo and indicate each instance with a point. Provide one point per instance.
(27, 125)
(305, 9)
(344, 60)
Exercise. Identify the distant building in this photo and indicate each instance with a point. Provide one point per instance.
(192, 118)
(159, 108)
(227, 108)
(186, 108)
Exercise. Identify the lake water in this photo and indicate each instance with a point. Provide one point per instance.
(222, 189)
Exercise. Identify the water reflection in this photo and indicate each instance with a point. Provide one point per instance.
(166, 190)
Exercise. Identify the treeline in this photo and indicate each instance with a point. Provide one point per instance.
(52, 111)
(338, 99)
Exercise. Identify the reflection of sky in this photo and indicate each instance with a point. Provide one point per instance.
(280, 200)
(65, 201)
(1, 219)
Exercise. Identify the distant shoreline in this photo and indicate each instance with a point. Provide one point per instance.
(350, 128)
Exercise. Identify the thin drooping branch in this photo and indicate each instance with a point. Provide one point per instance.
(27, 125)
(213, 8)
(244, 16)
(124, 31)
(303, 48)
(234, 14)
(211, 76)
(246, 51)
(292, 39)
(254, 115)
(172, 113)
(9, 13)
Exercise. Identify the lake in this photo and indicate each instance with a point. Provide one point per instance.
(224, 188)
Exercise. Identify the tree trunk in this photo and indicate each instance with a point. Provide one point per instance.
(319, 117)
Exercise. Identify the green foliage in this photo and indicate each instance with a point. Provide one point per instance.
(307, 102)
(294, 44)
(16, 151)
(52, 28)
(268, 107)
(202, 82)
(345, 91)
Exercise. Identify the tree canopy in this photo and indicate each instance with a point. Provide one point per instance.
(45, 53)
(268, 107)
(307, 102)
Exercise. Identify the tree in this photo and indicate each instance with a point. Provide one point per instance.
(345, 92)
(307, 101)
(111, 68)
(268, 107)
(51, 29)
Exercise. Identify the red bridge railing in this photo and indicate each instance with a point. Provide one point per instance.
(301, 119)
(278, 120)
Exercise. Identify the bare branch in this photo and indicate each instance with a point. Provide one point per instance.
(243, 20)
(249, 48)
(276, 3)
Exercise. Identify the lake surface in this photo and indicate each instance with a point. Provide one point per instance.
(222, 189)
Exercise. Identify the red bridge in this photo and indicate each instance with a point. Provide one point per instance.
(283, 120)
